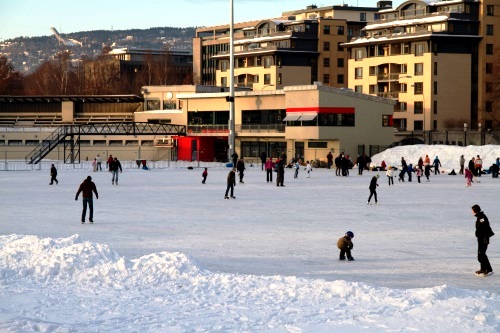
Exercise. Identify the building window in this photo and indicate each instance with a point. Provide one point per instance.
(339, 47)
(490, 10)
(340, 62)
(340, 79)
(489, 29)
(419, 49)
(340, 30)
(435, 107)
(386, 120)
(489, 87)
(435, 68)
(326, 46)
(223, 81)
(326, 78)
(359, 54)
(326, 29)
(362, 17)
(435, 88)
(418, 88)
(418, 125)
(358, 73)
(358, 89)
(489, 49)
(489, 106)
(418, 107)
(268, 61)
(317, 144)
(400, 107)
(326, 62)
(279, 79)
(403, 68)
(267, 78)
(419, 69)
(372, 71)
(153, 105)
(224, 65)
(489, 68)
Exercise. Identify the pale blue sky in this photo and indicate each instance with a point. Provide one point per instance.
(35, 17)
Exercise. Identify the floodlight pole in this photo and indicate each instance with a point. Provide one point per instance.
(231, 137)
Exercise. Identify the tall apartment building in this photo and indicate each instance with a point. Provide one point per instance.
(437, 59)
(300, 47)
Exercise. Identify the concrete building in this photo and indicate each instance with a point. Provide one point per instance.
(435, 59)
(305, 121)
(300, 47)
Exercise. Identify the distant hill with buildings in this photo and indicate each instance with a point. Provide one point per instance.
(27, 53)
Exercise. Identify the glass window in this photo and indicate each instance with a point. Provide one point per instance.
(326, 62)
(418, 88)
(339, 46)
(489, 87)
(489, 29)
(326, 46)
(489, 106)
(419, 49)
(490, 10)
(358, 72)
(435, 68)
(326, 78)
(340, 30)
(418, 125)
(326, 29)
(418, 107)
(419, 69)
(358, 89)
(267, 78)
(435, 87)
(489, 48)
(359, 54)
(223, 81)
(279, 79)
(340, 79)
(153, 105)
(489, 68)
(340, 62)
(362, 16)
(317, 144)
(386, 120)
(435, 107)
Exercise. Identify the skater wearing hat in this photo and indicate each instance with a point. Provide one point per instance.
(345, 246)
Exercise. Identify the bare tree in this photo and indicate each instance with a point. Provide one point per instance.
(10, 80)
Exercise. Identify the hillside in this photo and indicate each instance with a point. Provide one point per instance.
(27, 53)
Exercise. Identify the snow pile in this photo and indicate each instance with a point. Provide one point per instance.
(168, 292)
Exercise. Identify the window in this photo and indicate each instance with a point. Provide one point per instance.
(340, 30)
(401, 107)
(435, 107)
(489, 68)
(419, 49)
(326, 46)
(340, 62)
(435, 68)
(317, 144)
(386, 120)
(418, 125)
(268, 61)
(326, 62)
(279, 79)
(340, 79)
(153, 105)
(489, 106)
(358, 89)
(359, 54)
(489, 48)
(372, 71)
(403, 87)
(490, 10)
(339, 46)
(403, 68)
(418, 88)
(362, 16)
(326, 29)
(224, 65)
(419, 69)
(358, 72)
(223, 81)
(489, 87)
(418, 107)
(489, 29)
(326, 78)
(435, 86)
(267, 78)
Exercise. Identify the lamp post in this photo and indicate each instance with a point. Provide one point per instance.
(231, 137)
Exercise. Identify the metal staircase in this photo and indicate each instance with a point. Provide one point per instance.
(66, 134)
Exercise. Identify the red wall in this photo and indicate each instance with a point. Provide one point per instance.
(204, 145)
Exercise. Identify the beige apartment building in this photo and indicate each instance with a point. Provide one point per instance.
(300, 47)
(436, 60)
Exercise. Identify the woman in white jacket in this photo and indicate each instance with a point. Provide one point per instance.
(389, 175)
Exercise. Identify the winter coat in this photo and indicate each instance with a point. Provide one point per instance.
(373, 184)
(389, 172)
(483, 228)
(115, 166)
(240, 166)
(427, 160)
(468, 174)
(86, 188)
(231, 178)
(437, 162)
(345, 243)
(53, 171)
(269, 165)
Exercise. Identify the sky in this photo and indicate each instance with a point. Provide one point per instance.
(30, 18)
(168, 254)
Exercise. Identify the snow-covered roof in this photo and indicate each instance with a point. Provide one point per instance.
(261, 39)
(402, 36)
(400, 23)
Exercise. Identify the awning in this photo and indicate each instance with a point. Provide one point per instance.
(292, 117)
(308, 117)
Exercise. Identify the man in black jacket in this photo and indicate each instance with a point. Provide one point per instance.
(483, 234)
(87, 188)
(114, 166)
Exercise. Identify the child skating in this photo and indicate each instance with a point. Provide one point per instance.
(345, 246)
(297, 166)
(308, 169)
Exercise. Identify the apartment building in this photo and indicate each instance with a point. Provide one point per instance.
(300, 47)
(436, 59)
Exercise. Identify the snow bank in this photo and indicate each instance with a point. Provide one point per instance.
(78, 286)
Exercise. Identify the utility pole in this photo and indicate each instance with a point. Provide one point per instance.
(231, 137)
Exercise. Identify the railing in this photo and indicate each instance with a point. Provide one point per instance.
(207, 129)
(391, 95)
(267, 128)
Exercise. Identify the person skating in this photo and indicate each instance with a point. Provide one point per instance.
(263, 158)
(99, 162)
(204, 175)
(280, 177)
(437, 164)
(269, 170)
(53, 175)
(418, 172)
(345, 246)
(109, 161)
(231, 183)
(462, 164)
(390, 176)
(308, 169)
(483, 234)
(240, 166)
(478, 165)
(297, 166)
(114, 167)
(373, 189)
(468, 177)
(329, 159)
(86, 188)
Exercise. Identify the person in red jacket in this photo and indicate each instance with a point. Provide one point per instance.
(86, 188)
(108, 162)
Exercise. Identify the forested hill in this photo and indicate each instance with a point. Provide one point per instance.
(27, 53)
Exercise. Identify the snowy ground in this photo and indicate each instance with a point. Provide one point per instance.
(168, 254)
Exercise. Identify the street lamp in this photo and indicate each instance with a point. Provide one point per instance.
(266, 85)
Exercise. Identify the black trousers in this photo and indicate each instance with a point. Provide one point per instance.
(269, 175)
(344, 252)
(372, 193)
(482, 257)
(230, 187)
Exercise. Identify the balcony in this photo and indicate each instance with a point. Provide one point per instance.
(261, 128)
(207, 130)
(390, 95)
